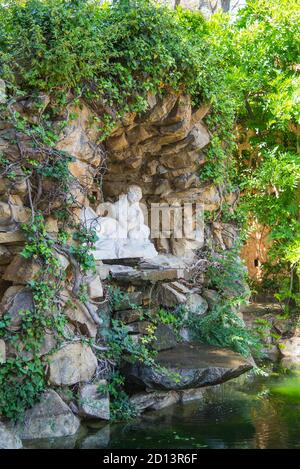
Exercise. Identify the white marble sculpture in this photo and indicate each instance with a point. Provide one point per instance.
(122, 233)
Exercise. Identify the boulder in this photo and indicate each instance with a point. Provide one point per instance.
(169, 296)
(196, 305)
(165, 338)
(15, 300)
(49, 418)
(17, 349)
(92, 402)
(187, 366)
(290, 347)
(21, 270)
(9, 439)
(73, 363)
(201, 135)
(102, 270)
(94, 287)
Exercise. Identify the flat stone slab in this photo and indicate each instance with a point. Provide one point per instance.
(188, 366)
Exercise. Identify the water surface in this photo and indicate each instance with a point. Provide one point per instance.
(264, 412)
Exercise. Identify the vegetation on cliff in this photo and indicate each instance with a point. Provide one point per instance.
(113, 57)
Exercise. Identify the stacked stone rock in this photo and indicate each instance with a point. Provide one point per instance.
(162, 151)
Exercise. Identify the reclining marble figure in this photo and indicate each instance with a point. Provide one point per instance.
(122, 233)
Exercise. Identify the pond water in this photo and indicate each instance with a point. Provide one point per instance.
(262, 412)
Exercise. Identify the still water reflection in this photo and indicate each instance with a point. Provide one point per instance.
(263, 413)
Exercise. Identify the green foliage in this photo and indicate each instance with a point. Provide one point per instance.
(121, 343)
(21, 383)
(120, 405)
(222, 326)
(267, 42)
(115, 55)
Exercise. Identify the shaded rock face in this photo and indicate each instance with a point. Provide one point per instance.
(188, 366)
(165, 338)
(51, 417)
(9, 439)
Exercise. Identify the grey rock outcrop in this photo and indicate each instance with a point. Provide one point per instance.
(188, 366)
(49, 418)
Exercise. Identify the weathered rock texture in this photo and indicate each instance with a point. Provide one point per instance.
(162, 151)
(51, 417)
(188, 366)
(9, 439)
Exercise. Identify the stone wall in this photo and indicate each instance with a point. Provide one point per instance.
(162, 151)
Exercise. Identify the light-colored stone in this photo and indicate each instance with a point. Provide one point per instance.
(73, 363)
(81, 135)
(102, 270)
(63, 260)
(185, 248)
(51, 225)
(2, 91)
(94, 286)
(83, 172)
(9, 439)
(162, 108)
(2, 351)
(21, 270)
(11, 237)
(201, 135)
(51, 417)
(290, 347)
(196, 304)
(92, 402)
(200, 113)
